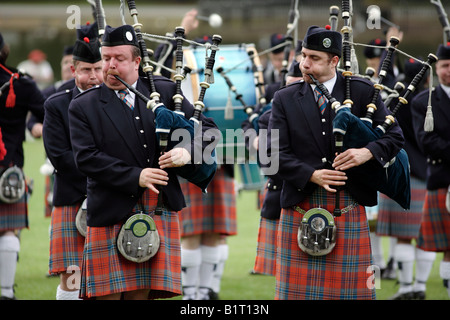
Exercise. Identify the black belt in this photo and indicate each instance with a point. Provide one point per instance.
(343, 210)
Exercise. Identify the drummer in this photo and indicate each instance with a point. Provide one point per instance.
(311, 171)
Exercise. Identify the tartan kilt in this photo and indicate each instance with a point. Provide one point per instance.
(434, 232)
(105, 271)
(266, 250)
(66, 243)
(213, 212)
(396, 222)
(341, 274)
(14, 216)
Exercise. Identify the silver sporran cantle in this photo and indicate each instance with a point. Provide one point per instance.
(80, 220)
(12, 185)
(138, 239)
(317, 232)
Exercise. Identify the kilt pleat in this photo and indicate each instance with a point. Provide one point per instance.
(266, 250)
(214, 211)
(396, 222)
(434, 232)
(341, 274)
(105, 271)
(14, 216)
(66, 243)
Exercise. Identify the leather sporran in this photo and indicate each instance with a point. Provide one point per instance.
(12, 185)
(317, 232)
(138, 239)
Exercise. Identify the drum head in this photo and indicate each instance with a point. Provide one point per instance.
(220, 102)
(138, 239)
(12, 185)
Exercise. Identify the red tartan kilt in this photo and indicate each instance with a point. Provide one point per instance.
(396, 222)
(434, 232)
(14, 216)
(341, 274)
(266, 250)
(66, 243)
(213, 212)
(105, 271)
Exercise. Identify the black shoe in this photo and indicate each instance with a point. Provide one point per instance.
(8, 298)
(213, 295)
(419, 295)
(51, 275)
(402, 296)
(254, 273)
(389, 272)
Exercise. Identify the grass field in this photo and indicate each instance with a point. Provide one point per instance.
(237, 284)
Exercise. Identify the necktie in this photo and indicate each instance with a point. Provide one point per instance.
(321, 101)
(122, 94)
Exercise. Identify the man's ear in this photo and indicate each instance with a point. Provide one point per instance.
(138, 62)
(335, 61)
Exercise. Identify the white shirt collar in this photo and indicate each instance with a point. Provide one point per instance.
(446, 89)
(131, 95)
(329, 84)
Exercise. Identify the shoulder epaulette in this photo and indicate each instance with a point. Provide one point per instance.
(85, 91)
(292, 84)
(362, 80)
(58, 94)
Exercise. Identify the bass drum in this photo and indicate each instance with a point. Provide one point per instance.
(220, 102)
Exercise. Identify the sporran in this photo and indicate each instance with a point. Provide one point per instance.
(317, 232)
(138, 238)
(12, 185)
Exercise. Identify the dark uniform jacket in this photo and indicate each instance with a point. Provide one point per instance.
(47, 92)
(112, 144)
(306, 141)
(435, 144)
(417, 159)
(12, 120)
(271, 208)
(70, 184)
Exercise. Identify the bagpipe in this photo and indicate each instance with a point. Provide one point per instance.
(291, 27)
(443, 19)
(253, 111)
(353, 132)
(167, 120)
